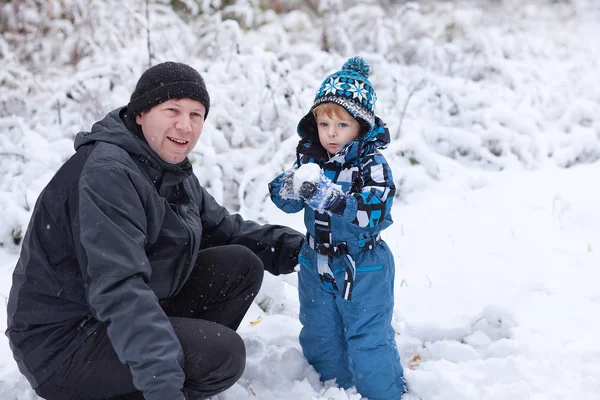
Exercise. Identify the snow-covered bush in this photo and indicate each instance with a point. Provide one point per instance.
(459, 87)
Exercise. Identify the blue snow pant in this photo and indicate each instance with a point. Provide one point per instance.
(352, 340)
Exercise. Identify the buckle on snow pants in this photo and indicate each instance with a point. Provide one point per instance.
(338, 249)
(326, 251)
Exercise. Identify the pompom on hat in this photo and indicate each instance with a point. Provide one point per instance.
(166, 81)
(351, 89)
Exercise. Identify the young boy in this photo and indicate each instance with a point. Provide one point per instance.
(346, 279)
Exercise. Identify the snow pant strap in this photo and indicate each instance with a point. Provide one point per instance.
(327, 249)
(369, 243)
(338, 249)
(349, 278)
(325, 272)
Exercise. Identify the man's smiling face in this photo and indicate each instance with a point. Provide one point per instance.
(173, 128)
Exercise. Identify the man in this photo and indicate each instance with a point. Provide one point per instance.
(132, 279)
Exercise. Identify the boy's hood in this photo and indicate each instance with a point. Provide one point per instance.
(378, 136)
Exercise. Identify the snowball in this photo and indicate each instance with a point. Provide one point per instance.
(310, 172)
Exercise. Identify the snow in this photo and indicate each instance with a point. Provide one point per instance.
(306, 173)
(496, 292)
(496, 289)
(493, 112)
(325, 191)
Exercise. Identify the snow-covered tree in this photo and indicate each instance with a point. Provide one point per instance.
(454, 92)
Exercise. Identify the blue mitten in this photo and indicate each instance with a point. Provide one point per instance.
(287, 188)
(321, 196)
(307, 190)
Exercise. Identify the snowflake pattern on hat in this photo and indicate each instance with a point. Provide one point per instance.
(351, 89)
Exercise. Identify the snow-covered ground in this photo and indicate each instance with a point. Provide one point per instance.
(496, 297)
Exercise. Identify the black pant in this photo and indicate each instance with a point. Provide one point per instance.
(204, 314)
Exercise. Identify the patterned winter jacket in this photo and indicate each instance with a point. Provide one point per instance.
(363, 210)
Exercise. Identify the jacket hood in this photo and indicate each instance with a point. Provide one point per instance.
(112, 129)
(378, 135)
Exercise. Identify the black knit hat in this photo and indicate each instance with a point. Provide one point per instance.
(166, 81)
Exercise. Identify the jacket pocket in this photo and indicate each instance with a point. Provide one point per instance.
(305, 261)
(370, 268)
(365, 268)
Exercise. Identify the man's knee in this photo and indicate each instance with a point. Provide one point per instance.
(251, 265)
(238, 358)
(215, 363)
(231, 357)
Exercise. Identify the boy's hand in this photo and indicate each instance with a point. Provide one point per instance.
(307, 190)
(287, 189)
(321, 196)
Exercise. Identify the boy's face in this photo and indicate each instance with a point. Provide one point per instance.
(336, 130)
(173, 128)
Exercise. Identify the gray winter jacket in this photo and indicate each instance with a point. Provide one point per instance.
(116, 230)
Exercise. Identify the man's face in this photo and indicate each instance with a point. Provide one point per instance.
(173, 128)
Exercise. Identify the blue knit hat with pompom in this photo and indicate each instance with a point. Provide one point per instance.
(351, 89)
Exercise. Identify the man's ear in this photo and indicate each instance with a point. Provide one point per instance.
(138, 119)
